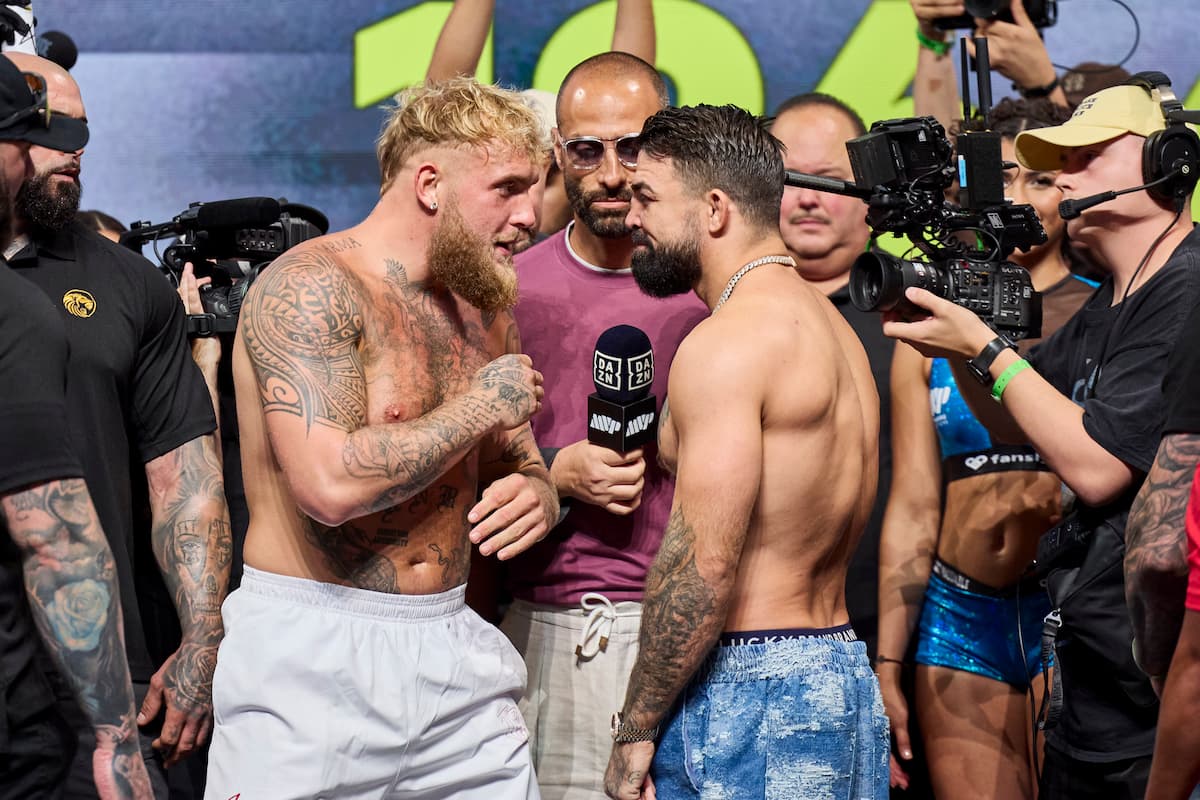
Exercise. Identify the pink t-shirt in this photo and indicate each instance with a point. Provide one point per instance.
(1193, 532)
(565, 304)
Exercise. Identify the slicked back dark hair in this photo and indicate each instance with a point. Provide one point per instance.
(1011, 116)
(722, 147)
(614, 64)
(821, 100)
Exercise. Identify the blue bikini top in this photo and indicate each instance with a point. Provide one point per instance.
(957, 429)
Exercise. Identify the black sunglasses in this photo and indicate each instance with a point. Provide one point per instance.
(587, 152)
(41, 102)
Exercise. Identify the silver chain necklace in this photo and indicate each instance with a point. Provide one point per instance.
(741, 273)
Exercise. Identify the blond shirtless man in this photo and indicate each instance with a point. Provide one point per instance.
(374, 397)
(749, 680)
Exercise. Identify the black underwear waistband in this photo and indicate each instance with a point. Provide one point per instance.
(841, 633)
(1001, 458)
(966, 583)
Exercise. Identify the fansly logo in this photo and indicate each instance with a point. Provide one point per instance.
(603, 422)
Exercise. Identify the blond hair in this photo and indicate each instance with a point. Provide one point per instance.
(457, 112)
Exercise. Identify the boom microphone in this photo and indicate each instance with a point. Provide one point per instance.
(243, 212)
(56, 46)
(622, 412)
(1070, 209)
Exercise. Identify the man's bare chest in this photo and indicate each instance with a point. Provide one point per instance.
(417, 357)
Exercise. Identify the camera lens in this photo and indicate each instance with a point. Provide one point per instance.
(876, 282)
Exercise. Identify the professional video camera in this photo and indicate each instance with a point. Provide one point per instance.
(230, 241)
(1042, 13)
(902, 168)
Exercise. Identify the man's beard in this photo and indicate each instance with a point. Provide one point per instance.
(47, 206)
(668, 268)
(607, 224)
(464, 261)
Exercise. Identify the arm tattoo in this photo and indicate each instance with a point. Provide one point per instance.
(1156, 551)
(682, 615)
(70, 579)
(301, 331)
(193, 546)
(410, 456)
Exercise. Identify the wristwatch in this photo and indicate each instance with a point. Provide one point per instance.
(624, 734)
(980, 366)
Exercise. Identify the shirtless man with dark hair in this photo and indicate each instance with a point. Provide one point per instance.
(749, 678)
(374, 396)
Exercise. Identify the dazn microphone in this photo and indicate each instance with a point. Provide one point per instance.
(1070, 209)
(622, 412)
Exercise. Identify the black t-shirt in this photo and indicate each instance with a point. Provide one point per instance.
(1109, 709)
(1181, 386)
(862, 574)
(34, 448)
(133, 391)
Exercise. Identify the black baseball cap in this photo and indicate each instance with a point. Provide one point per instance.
(25, 113)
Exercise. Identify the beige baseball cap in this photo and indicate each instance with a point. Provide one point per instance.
(1104, 115)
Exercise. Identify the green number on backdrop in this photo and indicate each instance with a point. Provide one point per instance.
(875, 66)
(395, 52)
(704, 54)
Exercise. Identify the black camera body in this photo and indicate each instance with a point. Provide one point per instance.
(231, 242)
(908, 165)
(1042, 13)
(1000, 294)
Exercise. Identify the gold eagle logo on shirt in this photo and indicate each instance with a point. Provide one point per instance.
(79, 303)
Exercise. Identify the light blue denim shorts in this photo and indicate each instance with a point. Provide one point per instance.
(790, 718)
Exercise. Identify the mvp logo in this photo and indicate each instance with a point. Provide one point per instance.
(938, 397)
(639, 424)
(604, 423)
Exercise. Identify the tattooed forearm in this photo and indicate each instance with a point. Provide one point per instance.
(71, 582)
(193, 546)
(683, 613)
(408, 457)
(1156, 551)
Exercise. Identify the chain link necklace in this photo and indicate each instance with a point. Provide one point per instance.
(741, 273)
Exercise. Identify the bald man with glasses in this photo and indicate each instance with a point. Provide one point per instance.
(577, 594)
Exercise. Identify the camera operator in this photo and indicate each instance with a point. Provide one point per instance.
(134, 394)
(1088, 399)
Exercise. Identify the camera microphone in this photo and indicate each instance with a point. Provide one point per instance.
(622, 412)
(243, 212)
(1070, 209)
(56, 46)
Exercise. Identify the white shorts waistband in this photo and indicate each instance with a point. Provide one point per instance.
(350, 600)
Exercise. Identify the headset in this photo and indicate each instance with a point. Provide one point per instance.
(1171, 155)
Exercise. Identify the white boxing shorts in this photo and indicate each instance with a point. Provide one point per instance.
(326, 691)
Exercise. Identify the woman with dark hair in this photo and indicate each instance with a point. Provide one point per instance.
(961, 527)
(106, 225)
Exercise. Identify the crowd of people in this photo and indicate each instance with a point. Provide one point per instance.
(366, 547)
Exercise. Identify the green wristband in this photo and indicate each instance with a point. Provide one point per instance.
(1014, 369)
(936, 45)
